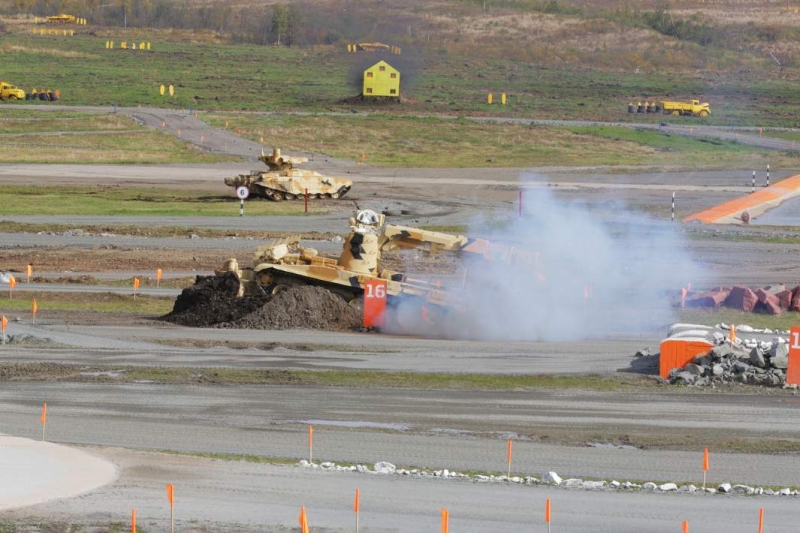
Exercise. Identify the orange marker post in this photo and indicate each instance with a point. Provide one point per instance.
(445, 520)
(133, 520)
(303, 520)
(34, 308)
(43, 418)
(733, 334)
(705, 466)
(793, 366)
(135, 287)
(760, 520)
(171, 498)
(159, 277)
(685, 525)
(29, 272)
(357, 508)
(4, 324)
(310, 444)
(508, 457)
(547, 514)
(12, 282)
(375, 304)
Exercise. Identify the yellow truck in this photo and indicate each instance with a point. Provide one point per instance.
(10, 92)
(693, 108)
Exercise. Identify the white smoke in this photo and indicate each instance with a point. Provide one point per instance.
(588, 273)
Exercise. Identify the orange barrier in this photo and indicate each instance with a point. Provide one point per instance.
(679, 352)
(774, 194)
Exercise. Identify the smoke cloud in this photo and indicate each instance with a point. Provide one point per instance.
(580, 273)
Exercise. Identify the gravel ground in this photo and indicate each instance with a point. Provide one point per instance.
(244, 497)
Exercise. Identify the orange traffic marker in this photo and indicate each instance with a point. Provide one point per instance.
(136, 283)
(12, 282)
(547, 514)
(29, 272)
(310, 444)
(159, 277)
(171, 498)
(445, 520)
(705, 466)
(508, 458)
(303, 520)
(133, 520)
(356, 508)
(43, 418)
(34, 308)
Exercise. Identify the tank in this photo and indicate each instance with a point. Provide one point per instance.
(285, 182)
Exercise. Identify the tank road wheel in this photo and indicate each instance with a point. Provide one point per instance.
(675, 113)
(335, 196)
(291, 196)
(277, 196)
(703, 113)
(328, 196)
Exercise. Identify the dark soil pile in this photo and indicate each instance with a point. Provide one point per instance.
(212, 302)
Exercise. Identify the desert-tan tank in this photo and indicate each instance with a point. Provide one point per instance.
(284, 263)
(285, 182)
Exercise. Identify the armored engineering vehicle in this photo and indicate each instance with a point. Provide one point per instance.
(284, 263)
(285, 182)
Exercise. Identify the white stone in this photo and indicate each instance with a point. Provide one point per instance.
(303, 463)
(615, 484)
(552, 477)
(770, 492)
(479, 477)
(785, 492)
(362, 468)
(326, 464)
(572, 482)
(382, 467)
(724, 487)
(759, 490)
(666, 487)
(516, 479)
(692, 489)
(744, 328)
(742, 489)
(594, 485)
(649, 486)
(711, 491)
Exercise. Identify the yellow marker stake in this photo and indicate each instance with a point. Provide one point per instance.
(489, 98)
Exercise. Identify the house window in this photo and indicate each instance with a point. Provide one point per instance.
(392, 91)
(369, 74)
(393, 75)
(369, 90)
(381, 68)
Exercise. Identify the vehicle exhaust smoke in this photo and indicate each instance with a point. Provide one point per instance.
(579, 273)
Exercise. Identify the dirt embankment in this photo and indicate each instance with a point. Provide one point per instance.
(212, 302)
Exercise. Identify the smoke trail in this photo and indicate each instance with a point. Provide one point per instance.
(588, 273)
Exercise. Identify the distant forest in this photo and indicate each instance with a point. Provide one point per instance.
(294, 23)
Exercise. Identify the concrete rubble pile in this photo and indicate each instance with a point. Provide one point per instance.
(551, 479)
(745, 360)
(771, 300)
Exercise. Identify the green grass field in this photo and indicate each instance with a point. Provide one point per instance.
(111, 200)
(22, 300)
(391, 140)
(72, 137)
(246, 77)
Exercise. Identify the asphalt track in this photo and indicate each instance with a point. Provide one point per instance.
(246, 497)
(431, 429)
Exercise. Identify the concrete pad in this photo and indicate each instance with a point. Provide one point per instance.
(36, 472)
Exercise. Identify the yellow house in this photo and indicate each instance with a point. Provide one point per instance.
(381, 80)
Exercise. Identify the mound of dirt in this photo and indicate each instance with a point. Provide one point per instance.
(212, 302)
